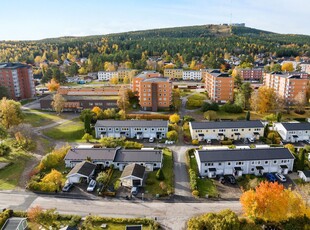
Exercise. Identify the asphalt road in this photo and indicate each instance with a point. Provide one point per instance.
(170, 215)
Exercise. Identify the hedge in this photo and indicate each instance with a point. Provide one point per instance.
(148, 116)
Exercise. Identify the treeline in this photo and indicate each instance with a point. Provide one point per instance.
(181, 44)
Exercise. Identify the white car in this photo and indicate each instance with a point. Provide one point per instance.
(251, 139)
(152, 139)
(280, 177)
(91, 186)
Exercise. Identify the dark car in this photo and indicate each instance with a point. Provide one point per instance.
(231, 179)
(67, 187)
(271, 177)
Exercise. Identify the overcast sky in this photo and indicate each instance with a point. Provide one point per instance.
(37, 19)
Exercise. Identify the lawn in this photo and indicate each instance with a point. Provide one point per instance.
(152, 184)
(71, 131)
(204, 185)
(9, 176)
(37, 119)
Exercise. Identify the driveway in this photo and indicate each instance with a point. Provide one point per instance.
(181, 179)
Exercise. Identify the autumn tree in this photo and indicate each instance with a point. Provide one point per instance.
(53, 85)
(34, 214)
(264, 100)
(174, 118)
(126, 80)
(172, 135)
(287, 67)
(176, 99)
(97, 110)
(114, 80)
(54, 177)
(210, 115)
(271, 202)
(123, 100)
(87, 137)
(300, 102)
(10, 113)
(58, 103)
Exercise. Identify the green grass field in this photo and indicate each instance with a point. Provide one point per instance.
(40, 119)
(167, 168)
(70, 131)
(9, 176)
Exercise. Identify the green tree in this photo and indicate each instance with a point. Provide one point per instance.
(87, 122)
(248, 115)
(87, 137)
(160, 175)
(210, 115)
(172, 135)
(102, 178)
(10, 113)
(3, 92)
(176, 99)
(3, 132)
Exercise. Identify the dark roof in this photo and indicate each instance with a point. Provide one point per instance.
(133, 227)
(83, 97)
(84, 168)
(131, 123)
(244, 154)
(226, 124)
(307, 173)
(296, 126)
(12, 223)
(137, 155)
(93, 153)
(133, 170)
(13, 65)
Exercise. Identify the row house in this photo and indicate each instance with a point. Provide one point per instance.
(120, 74)
(235, 130)
(174, 74)
(294, 131)
(118, 157)
(131, 128)
(238, 162)
(185, 75)
(220, 86)
(289, 86)
(17, 78)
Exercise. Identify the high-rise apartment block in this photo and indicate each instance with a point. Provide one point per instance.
(18, 79)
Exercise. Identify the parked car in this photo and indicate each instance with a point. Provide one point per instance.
(251, 140)
(91, 186)
(152, 139)
(230, 178)
(222, 180)
(134, 191)
(245, 141)
(270, 177)
(67, 187)
(280, 177)
(209, 141)
(169, 142)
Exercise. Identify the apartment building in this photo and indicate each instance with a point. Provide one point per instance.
(235, 130)
(106, 75)
(18, 79)
(254, 74)
(287, 85)
(174, 74)
(154, 91)
(220, 86)
(131, 128)
(238, 162)
(120, 74)
(191, 75)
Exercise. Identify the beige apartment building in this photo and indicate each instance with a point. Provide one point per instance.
(287, 85)
(154, 91)
(220, 86)
(174, 74)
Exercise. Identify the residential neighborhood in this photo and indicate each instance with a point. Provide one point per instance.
(205, 126)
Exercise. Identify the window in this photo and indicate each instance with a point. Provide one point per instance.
(110, 129)
(240, 163)
(274, 162)
(228, 163)
(220, 164)
(252, 169)
(210, 164)
(266, 162)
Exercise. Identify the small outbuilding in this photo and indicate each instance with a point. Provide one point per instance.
(304, 175)
(83, 170)
(133, 175)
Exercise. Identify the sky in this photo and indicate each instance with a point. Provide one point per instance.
(38, 19)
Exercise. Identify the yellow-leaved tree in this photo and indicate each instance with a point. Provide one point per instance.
(53, 85)
(174, 118)
(10, 113)
(54, 177)
(272, 202)
(287, 66)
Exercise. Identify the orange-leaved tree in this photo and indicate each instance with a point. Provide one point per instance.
(53, 85)
(272, 202)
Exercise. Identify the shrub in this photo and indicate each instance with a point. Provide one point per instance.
(160, 175)
(4, 216)
(188, 118)
(148, 116)
(4, 149)
(228, 142)
(192, 179)
(195, 193)
(231, 108)
(195, 142)
(172, 135)
(132, 145)
(209, 106)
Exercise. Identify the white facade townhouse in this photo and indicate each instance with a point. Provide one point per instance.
(238, 162)
(192, 75)
(293, 132)
(131, 128)
(105, 157)
(106, 75)
(231, 129)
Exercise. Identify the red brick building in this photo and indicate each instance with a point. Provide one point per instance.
(254, 74)
(18, 79)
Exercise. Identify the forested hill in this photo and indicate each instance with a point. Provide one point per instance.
(178, 45)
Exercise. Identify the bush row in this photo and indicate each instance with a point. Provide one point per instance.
(148, 116)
